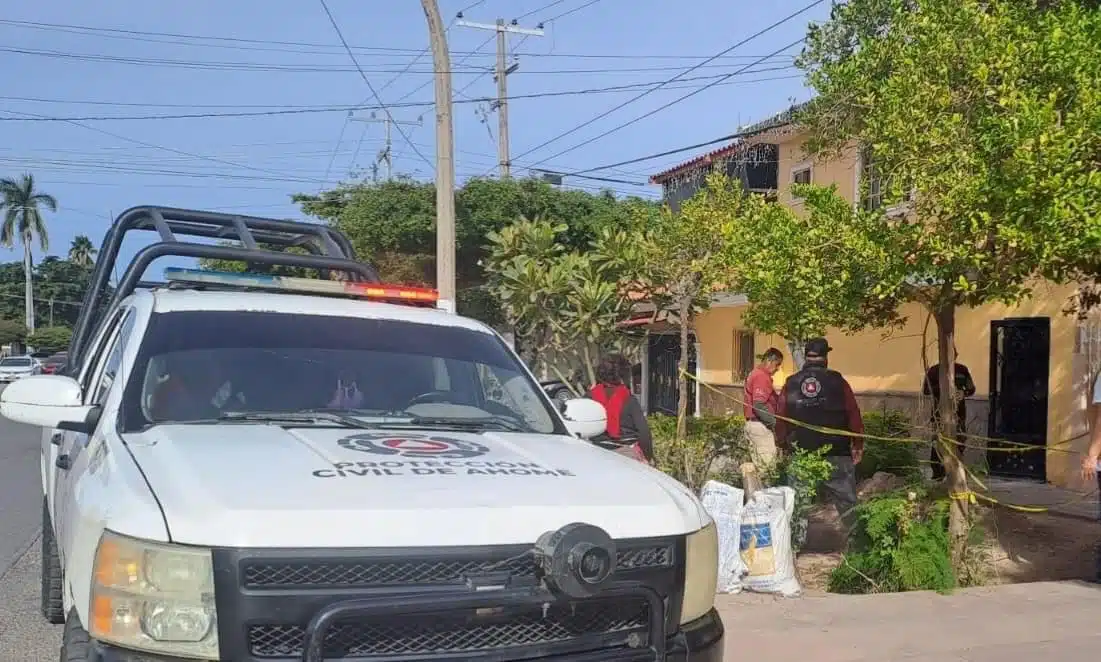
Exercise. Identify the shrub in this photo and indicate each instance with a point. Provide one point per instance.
(900, 457)
(709, 437)
(12, 331)
(804, 471)
(899, 542)
(50, 338)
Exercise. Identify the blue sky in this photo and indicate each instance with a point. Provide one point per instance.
(65, 58)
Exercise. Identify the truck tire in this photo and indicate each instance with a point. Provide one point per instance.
(76, 645)
(53, 581)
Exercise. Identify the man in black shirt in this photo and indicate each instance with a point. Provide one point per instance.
(965, 388)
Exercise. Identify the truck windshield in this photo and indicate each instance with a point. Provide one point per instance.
(198, 365)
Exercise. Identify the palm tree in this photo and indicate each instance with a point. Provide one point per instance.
(81, 252)
(20, 203)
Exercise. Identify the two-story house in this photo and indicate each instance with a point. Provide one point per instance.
(1032, 363)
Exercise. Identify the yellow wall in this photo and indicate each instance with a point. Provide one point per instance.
(891, 360)
(841, 172)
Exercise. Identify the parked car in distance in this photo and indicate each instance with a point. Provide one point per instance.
(18, 367)
(55, 363)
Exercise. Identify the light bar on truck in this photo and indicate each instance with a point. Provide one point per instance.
(375, 291)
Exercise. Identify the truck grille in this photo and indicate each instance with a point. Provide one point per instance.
(606, 623)
(346, 573)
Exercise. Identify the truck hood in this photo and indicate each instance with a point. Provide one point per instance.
(263, 485)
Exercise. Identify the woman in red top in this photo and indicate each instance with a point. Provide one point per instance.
(626, 420)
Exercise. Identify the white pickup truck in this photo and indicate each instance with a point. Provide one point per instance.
(253, 467)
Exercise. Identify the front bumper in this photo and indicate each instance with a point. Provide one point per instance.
(698, 641)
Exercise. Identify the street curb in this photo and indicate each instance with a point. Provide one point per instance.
(20, 554)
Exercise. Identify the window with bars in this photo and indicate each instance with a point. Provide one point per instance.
(744, 354)
(876, 186)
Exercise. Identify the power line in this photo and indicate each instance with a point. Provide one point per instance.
(260, 44)
(539, 9)
(307, 68)
(652, 112)
(148, 144)
(575, 9)
(659, 155)
(753, 36)
(371, 87)
(721, 80)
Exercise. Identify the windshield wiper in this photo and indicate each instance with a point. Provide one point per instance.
(313, 417)
(481, 422)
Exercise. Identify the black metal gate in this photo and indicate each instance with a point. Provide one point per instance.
(1020, 354)
(664, 354)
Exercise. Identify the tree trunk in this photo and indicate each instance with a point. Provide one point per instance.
(684, 311)
(795, 348)
(587, 357)
(28, 293)
(954, 470)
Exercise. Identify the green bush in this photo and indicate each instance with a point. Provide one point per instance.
(50, 338)
(804, 471)
(899, 542)
(899, 458)
(709, 437)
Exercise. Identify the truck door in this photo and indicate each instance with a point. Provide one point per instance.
(72, 452)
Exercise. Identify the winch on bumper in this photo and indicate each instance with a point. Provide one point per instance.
(561, 601)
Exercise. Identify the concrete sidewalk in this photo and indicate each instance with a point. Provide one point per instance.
(1061, 620)
(1083, 505)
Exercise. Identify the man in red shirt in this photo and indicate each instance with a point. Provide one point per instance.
(761, 404)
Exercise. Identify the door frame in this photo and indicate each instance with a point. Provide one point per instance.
(994, 431)
(694, 393)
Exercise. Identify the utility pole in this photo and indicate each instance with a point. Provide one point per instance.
(386, 154)
(503, 70)
(445, 159)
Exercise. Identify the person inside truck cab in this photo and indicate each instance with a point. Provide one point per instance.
(347, 394)
(195, 388)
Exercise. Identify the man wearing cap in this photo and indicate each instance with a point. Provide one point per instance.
(819, 397)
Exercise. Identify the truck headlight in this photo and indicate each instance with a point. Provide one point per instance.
(701, 573)
(154, 597)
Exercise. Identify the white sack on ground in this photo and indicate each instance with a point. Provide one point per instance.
(725, 503)
(765, 542)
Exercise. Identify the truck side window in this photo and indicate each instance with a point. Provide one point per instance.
(113, 360)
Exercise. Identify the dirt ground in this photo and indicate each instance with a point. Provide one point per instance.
(1021, 547)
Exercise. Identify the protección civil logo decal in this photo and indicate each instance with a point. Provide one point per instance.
(413, 446)
(811, 387)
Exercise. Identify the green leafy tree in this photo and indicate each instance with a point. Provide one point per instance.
(679, 260)
(82, 252)
(565, 305)
(11, 332)
(981, 119)
(392, 224)
(803, 275)
(60, 286)
(22, 205)
(50, 338)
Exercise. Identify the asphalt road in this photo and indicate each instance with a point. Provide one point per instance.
(24, 635)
